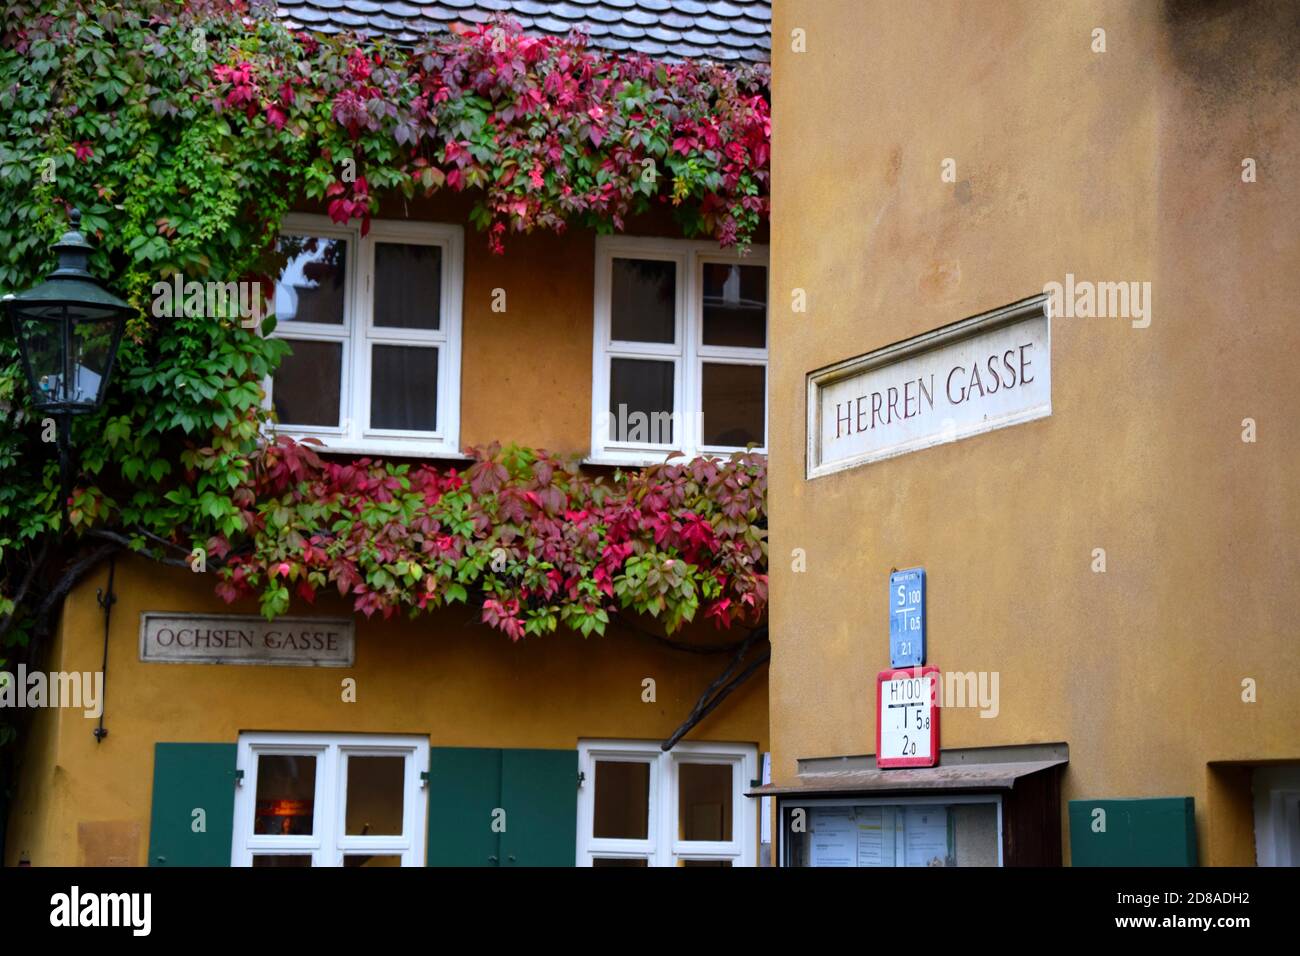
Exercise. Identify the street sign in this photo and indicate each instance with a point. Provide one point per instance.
(989, 371)
(907, 618)
(907, 718)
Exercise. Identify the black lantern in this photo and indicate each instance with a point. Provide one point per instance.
(68, 329)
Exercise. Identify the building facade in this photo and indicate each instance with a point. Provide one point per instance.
(1109, 540)
(1025, 387)
(326, 738)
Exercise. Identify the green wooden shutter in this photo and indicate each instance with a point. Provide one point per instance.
(537, 789)
(464, 789)
(1151, 831)
(539, 792)
(189, 777)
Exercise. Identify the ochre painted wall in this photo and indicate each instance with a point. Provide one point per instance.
(526, 372)
(526, 378)
(1115, 166)
(444, 675)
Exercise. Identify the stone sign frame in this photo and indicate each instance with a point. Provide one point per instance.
(303, 659)
(1037, 306)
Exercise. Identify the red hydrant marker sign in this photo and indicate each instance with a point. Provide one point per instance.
(907, 717)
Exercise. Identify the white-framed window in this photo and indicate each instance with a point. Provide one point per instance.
(330, 800)
(933, 830)
(680, 352)
(639, 806)
(375, 324)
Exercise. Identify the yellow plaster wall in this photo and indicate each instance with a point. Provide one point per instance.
(526, 372)
(1118, 166)
(446, 676)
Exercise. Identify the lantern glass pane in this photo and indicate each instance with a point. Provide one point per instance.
(42, 342)
(92, 343)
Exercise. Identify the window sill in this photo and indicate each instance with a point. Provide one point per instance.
(625, 459)
(610, 459)
(436, 451)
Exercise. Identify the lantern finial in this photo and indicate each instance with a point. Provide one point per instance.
(73, 250)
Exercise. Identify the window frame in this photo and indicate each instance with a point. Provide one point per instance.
(329, 844)
(662, 847)
(936, 798)
(688, 352)
(359, 335)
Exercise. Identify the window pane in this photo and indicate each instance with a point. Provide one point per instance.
(408, 286)
(404, 388)
(622, 800)
(311, 287)
(643, 300)
(282, 859)
(975, 834)
(286, 794)
(375, 789)
(387, 859)
(734, 397)
(641, 401)
(714, 863)
(305, 390)
(735, 305)
(927, 838)
(704, 801)
(619, 861)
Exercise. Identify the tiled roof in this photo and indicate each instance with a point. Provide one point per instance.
(673, 29)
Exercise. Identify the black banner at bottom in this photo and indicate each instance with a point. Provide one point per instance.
(333, 906)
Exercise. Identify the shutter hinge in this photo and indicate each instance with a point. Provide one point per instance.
(424, 779)
(239, 777)
(582, 778)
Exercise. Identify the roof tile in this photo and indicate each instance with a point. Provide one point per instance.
(309, 15)
(345, 19)
(552, 25)
(679, 29)
(750, 27)
(603, 14)
(641, 17)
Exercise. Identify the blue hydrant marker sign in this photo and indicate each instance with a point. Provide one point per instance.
(907, 618)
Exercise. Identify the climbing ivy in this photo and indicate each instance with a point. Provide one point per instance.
(183, 132)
